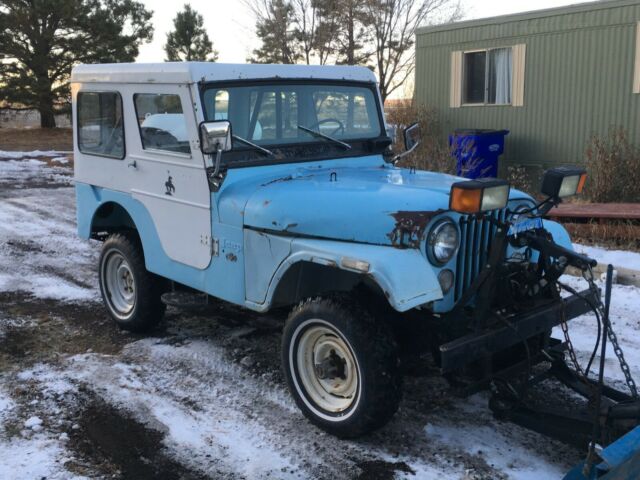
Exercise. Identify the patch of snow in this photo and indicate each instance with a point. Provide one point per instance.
(62, 160)
(497, 450)
(40, 252)
(34, 153)
(6, 405)
(625, 303)
(34, 423)
(36, 457)
(617, 258)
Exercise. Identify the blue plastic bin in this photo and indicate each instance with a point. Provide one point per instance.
(477, 151)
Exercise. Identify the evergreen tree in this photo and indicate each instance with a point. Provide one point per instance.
(189, 40)
(275, 28)
(41, 40)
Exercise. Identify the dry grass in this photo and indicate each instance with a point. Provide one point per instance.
(433, 153)
(612, 162)
(622, 235)
(28, 139)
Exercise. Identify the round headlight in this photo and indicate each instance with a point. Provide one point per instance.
(443, 242)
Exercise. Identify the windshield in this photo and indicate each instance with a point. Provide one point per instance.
(271, 114)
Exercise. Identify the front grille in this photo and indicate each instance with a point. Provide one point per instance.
(476, 235)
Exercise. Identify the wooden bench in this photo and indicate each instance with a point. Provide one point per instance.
(605, 211)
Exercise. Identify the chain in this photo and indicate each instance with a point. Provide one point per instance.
(567, 339)
(624, 366)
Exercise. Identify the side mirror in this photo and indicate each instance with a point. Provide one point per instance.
(411, 136)
(215, 137)
(411, 141)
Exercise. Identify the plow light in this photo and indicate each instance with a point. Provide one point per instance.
(482, 195)
(561, 182)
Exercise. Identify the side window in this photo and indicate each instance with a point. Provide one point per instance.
(162, 123)
(100, 124)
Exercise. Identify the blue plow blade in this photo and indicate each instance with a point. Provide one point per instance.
(620, 461)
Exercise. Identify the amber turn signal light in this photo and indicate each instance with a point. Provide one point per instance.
(480, 195)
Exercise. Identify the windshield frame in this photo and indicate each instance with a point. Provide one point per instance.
(310, 150)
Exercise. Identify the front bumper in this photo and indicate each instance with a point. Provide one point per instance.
(474, 346)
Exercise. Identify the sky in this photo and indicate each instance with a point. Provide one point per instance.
(231, 26)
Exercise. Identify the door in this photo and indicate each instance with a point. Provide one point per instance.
(169, 172)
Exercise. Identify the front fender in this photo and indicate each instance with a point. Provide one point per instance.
(404, 275)
(559, 233)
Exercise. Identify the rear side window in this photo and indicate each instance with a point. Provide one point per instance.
(162, 123)
(100, 124)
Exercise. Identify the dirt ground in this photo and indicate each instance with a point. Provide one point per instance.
(30, 139)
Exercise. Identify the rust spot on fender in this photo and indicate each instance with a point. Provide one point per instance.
(231, 257)
(410, 227)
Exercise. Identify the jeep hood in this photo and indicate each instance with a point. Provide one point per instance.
(380, 205)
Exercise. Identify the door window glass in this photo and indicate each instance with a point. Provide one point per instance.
(162, 122)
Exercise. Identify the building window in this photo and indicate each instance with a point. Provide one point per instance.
(487, 77)
(100, 125)
(162, 123)
(493, 76)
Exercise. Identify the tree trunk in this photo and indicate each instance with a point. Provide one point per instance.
(45, 100)
(47, 117)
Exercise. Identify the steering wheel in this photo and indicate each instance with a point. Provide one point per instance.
(157, 137)
(340, 128)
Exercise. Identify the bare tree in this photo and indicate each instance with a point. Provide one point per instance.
(305, 19)
(393, 25)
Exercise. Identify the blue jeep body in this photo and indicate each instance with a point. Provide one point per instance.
(269, 220)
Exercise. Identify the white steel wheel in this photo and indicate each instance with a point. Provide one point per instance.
(327, 372)
(119, 284)
(340, 362)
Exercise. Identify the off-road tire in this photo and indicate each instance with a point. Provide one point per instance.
(148, 309)
(375, 350)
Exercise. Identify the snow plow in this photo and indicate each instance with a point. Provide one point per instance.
(591, 415)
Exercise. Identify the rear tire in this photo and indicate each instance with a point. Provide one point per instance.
(341, 365)
(130, 293)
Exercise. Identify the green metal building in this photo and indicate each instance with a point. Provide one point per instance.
(552, 77)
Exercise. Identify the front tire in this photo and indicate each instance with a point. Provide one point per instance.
(341, 365)
(130, 293)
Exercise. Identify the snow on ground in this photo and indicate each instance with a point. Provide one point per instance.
(206, 393)
(31, 453)
(617, 258)
(35, 153)
(34, 458)
(625, 305)
(39, 251)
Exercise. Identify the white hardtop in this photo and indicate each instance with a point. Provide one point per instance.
(192, 72)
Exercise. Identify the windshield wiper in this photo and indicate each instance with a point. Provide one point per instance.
(253, 145)
(315, 133)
